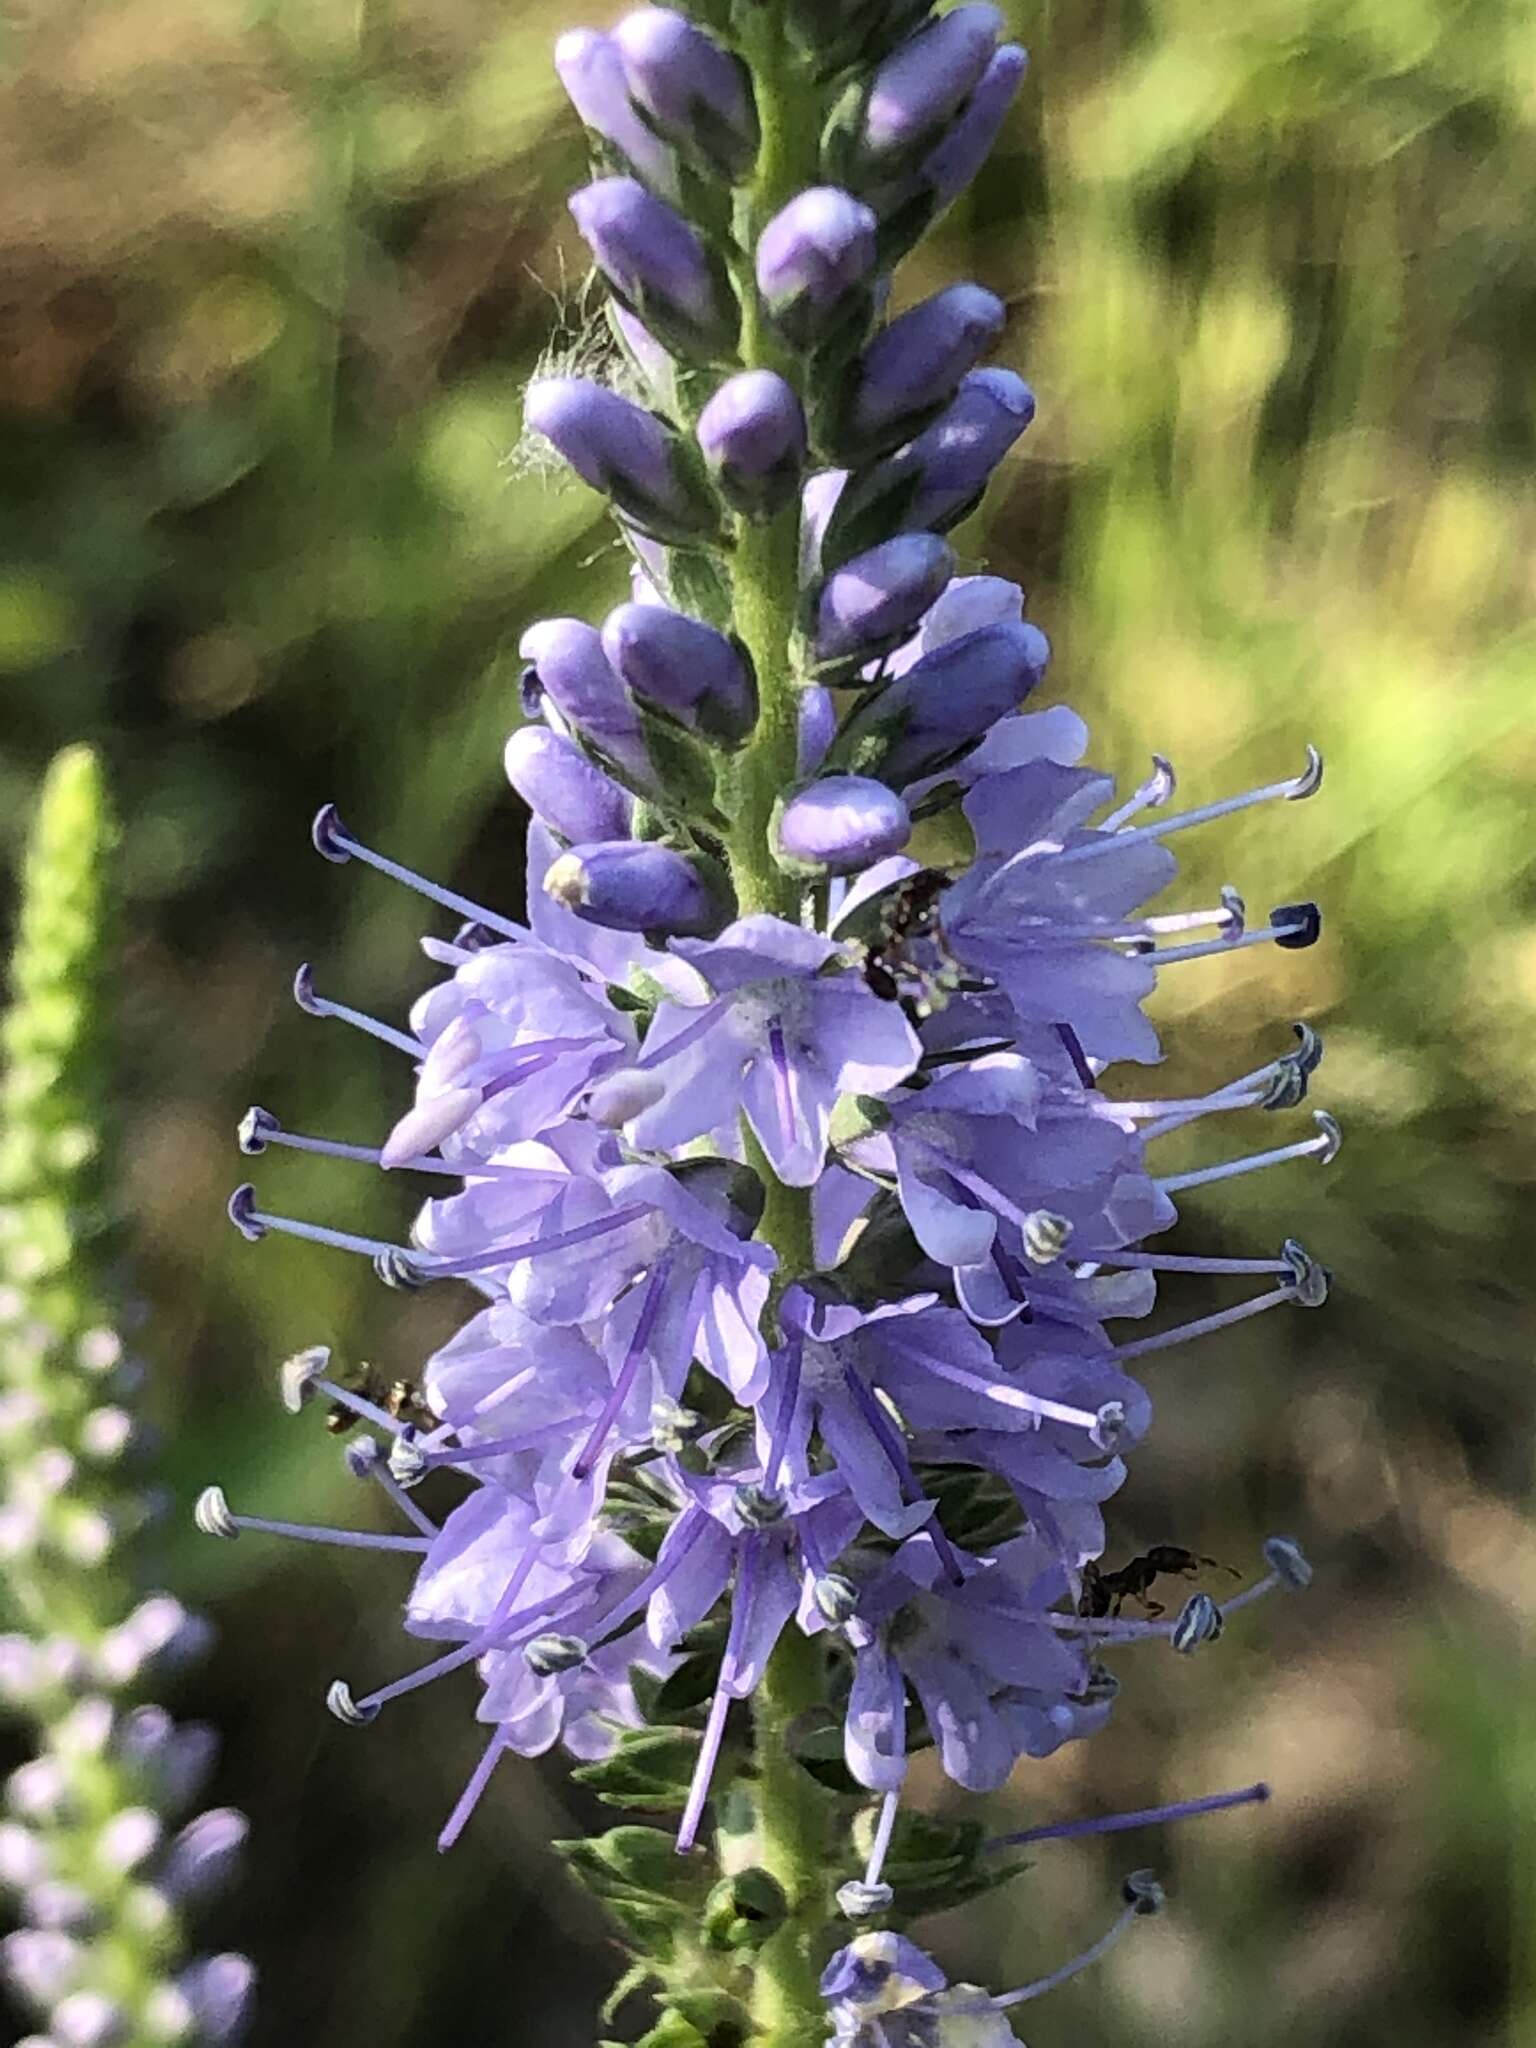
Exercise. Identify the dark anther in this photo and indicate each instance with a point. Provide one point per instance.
(330, 835)
(242, 1213)
(256, 1127)
(1297, 925)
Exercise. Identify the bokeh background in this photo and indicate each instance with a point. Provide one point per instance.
(272, 277)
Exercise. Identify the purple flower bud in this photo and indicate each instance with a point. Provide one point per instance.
(87, 2019)
(812, 257)
(817, 720)
(919, 87)
(41, 1963)
(946, 702)
(567, 666)
(560, 785)
(127, 1838)
(752, 433)
(699, 97)
(619, 448)
(204, 1856)
(916, 362)
(219, 1990)
(657, 266)
(878, 597)
(968, 144)
(646, 353)
(631, 886)
(591, 69)
(839, 824)
(58, 1904)
(684, 668)
(940, 476)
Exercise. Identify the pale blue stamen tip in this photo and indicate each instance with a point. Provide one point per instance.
(339, 1701)
(1142, 1891)
(858, 1900)
(1199, 1621)
(408, 1462)
(242, 1213)
(1311, 1278)
(256, 1129)
(1289, 1562)
(212, 1514)
(331, 838)
(299, 1377)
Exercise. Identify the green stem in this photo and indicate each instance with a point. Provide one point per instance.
(792, 1840)
(792, 1844)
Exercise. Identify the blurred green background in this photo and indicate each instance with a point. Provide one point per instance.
(272, 277)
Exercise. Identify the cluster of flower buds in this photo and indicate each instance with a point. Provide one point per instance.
(778, 1151)
(96, 1848)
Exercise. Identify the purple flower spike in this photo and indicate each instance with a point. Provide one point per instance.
(812, 257)
(926, 81)
(592, 71)
(947, 701)
(752, 433)
(656, 265)
(840, 824)
(684, 668)
(619, 448)
(878, 597)
(631, 887)
(916, 362)
(968, 144)
(560, 785)
(569, 677)
(697, 95)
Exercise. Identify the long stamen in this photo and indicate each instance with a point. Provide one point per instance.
(685, 1533)
(1292, 926)
(428, 1268)
(502, 1618)
(254, 1223)
(1172, 1262)
(364, 1460)
(1324, 1146)
(1117, 1823)
(215, 1518)
(259, 1128)
(1293, 789)
(321, 1006)
(778, 1441)
(1152, 795)
(645, 1322)
(469, 1798)
(704, 1770)
(1223, 1319)
(782, 1093)
(1145, 1899)
(885, 1827)
(336, 843)
(502, 1446)
(689, 1035)
(886, 1435)
(1114, 1629)
(1012, 1397)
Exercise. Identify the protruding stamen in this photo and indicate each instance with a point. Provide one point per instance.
(1231, 915)
(1117, 1823)
(253, 1224)
(547, 1656)
(339, 1701)
(1312, 1279)
(1206, 1326)
(860, 1900)
(1305, 784)
(255, 1128)
(365, 1461)
(259, 1128)
(1199, 1621)
(1005, 1396)
(469, 1798)
(212, 1514)
(1152, 795)
(424, 1267)
(336, 843)
(1324, 1147)
(1142, 1895)
(315, 1005)
(1292, 926)
(704, 1770)
(1289, 1562)
(300, 1376)
(885, 1827)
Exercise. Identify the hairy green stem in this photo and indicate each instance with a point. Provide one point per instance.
(792, 1839)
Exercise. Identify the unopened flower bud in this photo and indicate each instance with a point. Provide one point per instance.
(621, 449)
(742, 1911)
(619, 1097)
(945, 703)
(812, 259)
(219, 1990)
(817, 722)
(658, 267)
(961, 153)
(87, 2019)
(838, 825)
(127, 1838)
(592, 71)
(876, 598)
(684, 668)
(205, 1855)
(696, 95)
(633, 887)
(915, 364)
(567, 666)
(753, 439)
(41, 1962)
(923, 83)
(562, 787)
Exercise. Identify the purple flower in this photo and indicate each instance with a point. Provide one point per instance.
(882, 1991)
(921, 86)
(685, 668)
(619, 448)
(752, 435)
(963, 151)
(560, 786)
(657, 266)
(812, 258)
(840, 824)
(945, 702)
(696, 95)
(874, 599)
(777, 1028)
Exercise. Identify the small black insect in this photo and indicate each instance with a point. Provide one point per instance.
(1105, 1593)
(906, 916)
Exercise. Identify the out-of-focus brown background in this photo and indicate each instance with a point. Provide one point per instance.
(271, 279)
